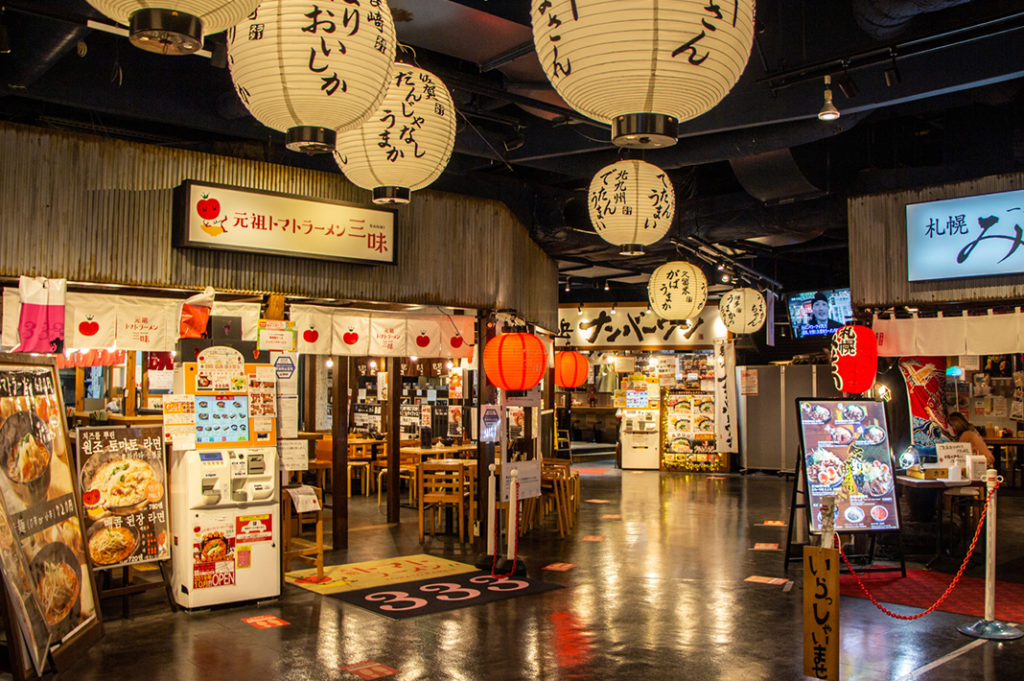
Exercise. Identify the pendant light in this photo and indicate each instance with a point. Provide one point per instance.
(742, 310)
(642, 67)
(311, 70)
(174, 27)
(677, 290)
(406, 144)
(631, 204)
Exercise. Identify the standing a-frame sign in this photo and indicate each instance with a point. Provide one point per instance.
(845, 453)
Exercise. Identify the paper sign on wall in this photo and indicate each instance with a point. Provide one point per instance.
(277, 335)
(294, 455)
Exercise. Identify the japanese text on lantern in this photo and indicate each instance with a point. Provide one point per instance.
(559, 67)
(709, 23)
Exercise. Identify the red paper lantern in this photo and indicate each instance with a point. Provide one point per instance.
(515, 361)
(854, 358)
(571, 369)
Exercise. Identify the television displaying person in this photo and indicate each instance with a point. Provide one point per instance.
(819, 322)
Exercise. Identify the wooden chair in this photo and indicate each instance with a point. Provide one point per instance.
(442, 486)
(406, 471)
(559, 493)
(298, 548)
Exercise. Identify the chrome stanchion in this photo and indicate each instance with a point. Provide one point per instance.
(990, 628)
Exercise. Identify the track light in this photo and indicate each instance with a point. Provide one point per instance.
(567, 285)
(613, 307)
(726, 277)
(828, 111)
(579, 309)
(846, 85)
(892, 74)
(606, 286)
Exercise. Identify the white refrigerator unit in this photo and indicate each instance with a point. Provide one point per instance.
(225, 526)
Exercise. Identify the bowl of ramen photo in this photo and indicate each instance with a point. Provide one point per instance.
(26, 447)
(110, 543)
(57, 578)
(214, 547)
(125, 484)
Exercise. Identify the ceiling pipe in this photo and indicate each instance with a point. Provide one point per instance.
(883, 19)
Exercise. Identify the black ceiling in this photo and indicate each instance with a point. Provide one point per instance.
(758, 166)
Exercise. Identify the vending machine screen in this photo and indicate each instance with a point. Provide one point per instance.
(222, 418)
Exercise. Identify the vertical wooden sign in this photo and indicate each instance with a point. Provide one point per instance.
(821, 613)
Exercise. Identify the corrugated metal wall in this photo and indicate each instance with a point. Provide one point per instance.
(92, 209)
(878, 250)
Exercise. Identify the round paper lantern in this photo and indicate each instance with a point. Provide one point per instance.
(631, 204)
(311, 70)
(742, 310)
(406, 144)
(642, 66)
(854, 358)
(677, 290)
(174, 26)
(571, 369)
(515, 361)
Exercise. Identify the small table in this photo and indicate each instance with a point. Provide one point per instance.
(921, 483)
(426, 452)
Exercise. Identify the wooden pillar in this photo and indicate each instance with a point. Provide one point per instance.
(129, 383)
(144, 398)
(79, 389)
(275, 307)
(339, 433)
(485, 394)
(394, 436)
(309, 392)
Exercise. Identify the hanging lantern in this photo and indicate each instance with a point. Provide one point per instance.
(854, 358)
(175, 26)
(311, 70)
(742, 310)
(677, 290)
(515, 361)
(631, 204)
(641, 66)
(571, 369)
(406, 144)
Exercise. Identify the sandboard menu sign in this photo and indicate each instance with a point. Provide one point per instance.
(45, 567)
(123, 476)
(847, 455)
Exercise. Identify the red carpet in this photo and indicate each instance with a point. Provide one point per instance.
(591, 471)
(921, 588)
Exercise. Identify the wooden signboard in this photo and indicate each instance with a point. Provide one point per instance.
(821, 613)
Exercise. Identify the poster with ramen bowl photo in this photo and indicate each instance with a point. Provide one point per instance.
(123, 481)
(45, 566)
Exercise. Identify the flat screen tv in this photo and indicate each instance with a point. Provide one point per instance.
(819, 313)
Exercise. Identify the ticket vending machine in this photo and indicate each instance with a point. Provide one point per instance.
(640, 431)
(225, 518)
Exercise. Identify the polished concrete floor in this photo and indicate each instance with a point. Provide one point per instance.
(662, 597)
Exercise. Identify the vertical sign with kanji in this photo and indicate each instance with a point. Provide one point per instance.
(821, 613)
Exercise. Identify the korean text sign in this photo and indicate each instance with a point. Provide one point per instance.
(965, 237)
(847, 455)
(235, 219)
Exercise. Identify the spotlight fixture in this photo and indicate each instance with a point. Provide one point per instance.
(892, 73)
(567, 285)
(828, 111)
(845, 82)
(613, 307)
(606, 286)
(726, 277)
(579, 309)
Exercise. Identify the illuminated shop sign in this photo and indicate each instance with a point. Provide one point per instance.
(235, 219)
(966, 237)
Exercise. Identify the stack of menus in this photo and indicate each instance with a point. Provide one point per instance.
(847, 455)
(42, 545)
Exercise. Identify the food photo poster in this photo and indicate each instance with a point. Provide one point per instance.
(847, 455)
(45, 563)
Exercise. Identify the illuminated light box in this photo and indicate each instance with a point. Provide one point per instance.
(966, 237)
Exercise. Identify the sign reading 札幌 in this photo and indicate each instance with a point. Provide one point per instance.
(965, 237)
(234, 219)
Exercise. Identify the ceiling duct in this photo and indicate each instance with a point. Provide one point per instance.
(773, 176)
(883, 19)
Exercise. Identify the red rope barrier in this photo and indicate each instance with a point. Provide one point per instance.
(949, 589)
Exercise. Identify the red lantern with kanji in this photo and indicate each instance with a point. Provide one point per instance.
(571, 369)
(854, 358)
(515, 361)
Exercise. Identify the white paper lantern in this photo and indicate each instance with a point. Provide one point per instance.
(677, 290)
(174, 26)
(743, 310)
(642, 66)
(406, 144)
(311, 70)
(631, 204)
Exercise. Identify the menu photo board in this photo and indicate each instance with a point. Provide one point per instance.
(124, 483)
(847, 455)
(45, 567)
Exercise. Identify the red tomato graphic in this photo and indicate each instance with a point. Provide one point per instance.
(92, 497)
(423, 340)
(456, 342)
(208, 208)
(310, 335)
(350, 338)
(88, 327)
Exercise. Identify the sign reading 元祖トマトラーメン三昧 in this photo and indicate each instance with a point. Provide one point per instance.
(965, 237)
(235, 219)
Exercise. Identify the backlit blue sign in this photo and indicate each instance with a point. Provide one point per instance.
(966, 237)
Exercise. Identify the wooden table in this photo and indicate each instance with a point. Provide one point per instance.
(921, 483)
(426, 452)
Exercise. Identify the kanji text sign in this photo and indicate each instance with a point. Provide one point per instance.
(234, 219)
